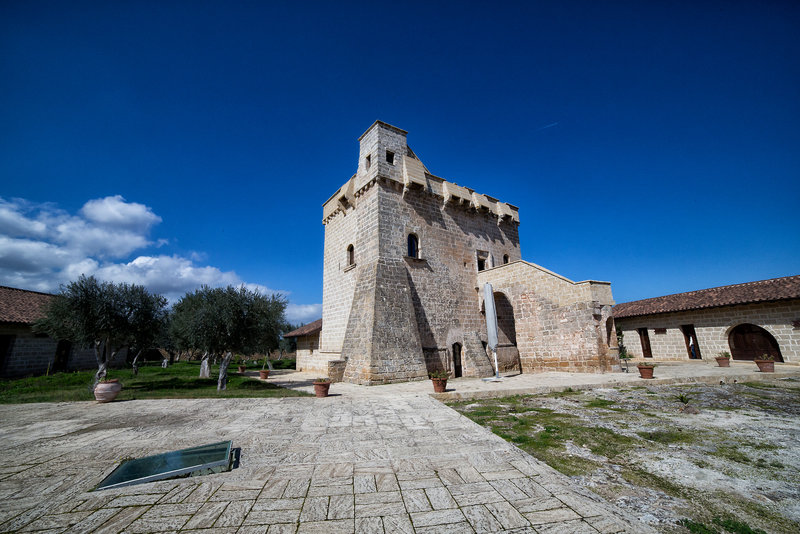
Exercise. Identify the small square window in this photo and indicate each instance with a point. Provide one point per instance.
(390, 157)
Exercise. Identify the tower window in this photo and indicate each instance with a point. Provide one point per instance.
(351, 255)
(483, 260)
(413, 246)
(505, 259)
(368, 161)
(390, 157)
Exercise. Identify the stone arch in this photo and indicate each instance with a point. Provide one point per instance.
(507, 352)
(748, 341)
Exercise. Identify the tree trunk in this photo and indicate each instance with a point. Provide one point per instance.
(102, 363)
(205, 372)
(135, 363)
(222, 383)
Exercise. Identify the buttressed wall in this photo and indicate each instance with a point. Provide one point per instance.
(403, 253)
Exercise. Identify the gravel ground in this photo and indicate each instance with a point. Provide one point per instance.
(696, 452)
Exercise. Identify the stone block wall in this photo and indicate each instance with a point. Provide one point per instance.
(712, 327)
(560, 324)
(33, 354)
(308, 355)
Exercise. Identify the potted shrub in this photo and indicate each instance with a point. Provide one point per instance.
(107, 390)
(321, 386)
(439, 379)
(263, 373)
(724, 359)
(646, 369)
(765, 363)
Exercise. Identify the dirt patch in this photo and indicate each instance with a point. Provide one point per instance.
(691, 458)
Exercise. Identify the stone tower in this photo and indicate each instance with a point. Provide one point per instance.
(405, 255)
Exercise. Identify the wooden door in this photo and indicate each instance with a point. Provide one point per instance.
(456, 360)
(692, 346)
(645, 339)
(748, 342)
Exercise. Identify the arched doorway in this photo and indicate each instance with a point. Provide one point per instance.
(507, 353)
(457, 360)
(748, 341)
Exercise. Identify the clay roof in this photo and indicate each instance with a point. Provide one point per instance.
(306, 330)
(774, 289)
(22, 306)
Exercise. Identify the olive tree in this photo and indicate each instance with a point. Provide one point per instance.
(221, 321)
(108, 316)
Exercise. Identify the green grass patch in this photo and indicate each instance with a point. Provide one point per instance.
(731, 453)
(735, 526)
(599, 403)
(544, 433)
(696, 528)
(178, 381)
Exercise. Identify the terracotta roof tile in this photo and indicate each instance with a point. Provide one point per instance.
(22, 306)
(762, 291)
(305, 330)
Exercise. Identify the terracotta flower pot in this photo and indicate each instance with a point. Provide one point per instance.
(439, 385)
(645, 371)
(242, 368)
(765, 366)
(107, 391)
(724, 362)
(263, 374)
(321, 388)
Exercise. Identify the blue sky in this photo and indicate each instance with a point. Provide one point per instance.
(652, 144)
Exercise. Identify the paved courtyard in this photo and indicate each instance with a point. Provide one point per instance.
(377, 459)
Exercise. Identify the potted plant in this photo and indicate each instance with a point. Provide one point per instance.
(439, 379)
(765, 363)
(646, 369)
(321, 386)
(724, 359)
(107, 390)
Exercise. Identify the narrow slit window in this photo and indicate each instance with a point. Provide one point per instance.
(351, 255)
(413, 246)
(505, 259)
(368, 161)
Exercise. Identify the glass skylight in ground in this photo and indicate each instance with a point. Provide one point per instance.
(213, 458)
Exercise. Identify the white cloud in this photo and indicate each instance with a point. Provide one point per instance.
(116, 212)
(303, 313)
(42, 247)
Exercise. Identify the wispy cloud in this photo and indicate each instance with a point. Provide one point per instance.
(546, 126)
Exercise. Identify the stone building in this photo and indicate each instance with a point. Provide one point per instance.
(406, 255)
(24, 353)
(307, 352)
(746, 320)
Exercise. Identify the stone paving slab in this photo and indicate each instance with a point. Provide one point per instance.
(366, 464)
